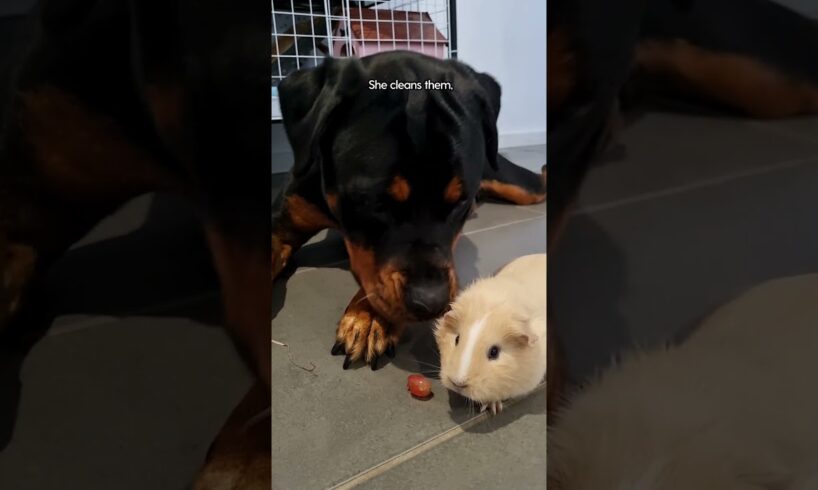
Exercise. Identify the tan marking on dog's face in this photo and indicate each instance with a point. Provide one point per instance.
(454, 190)
(399, 189)
(384, 284)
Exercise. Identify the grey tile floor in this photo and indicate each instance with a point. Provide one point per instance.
(697, 210)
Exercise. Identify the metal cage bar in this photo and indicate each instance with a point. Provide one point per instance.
(304, 32)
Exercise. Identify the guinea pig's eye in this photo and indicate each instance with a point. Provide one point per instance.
(494, 352)
(456, 340)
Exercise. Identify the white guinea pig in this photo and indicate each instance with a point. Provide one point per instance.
(493, 341)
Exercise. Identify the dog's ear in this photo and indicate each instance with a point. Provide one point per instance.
(308, 99)
(490, 100)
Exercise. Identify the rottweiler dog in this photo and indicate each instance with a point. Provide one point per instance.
(750, 57)
(397, 172)
(119, 98)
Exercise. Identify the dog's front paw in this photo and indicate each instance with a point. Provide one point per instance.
(363, 334)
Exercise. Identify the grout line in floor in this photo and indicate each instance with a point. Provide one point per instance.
(503, 225)
(702, 184)
(528, 209)
(422, 447)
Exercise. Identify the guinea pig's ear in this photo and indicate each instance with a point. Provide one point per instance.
(444, 326)
(446, 322)
(490, 102)
(309, 98)
(522, 333)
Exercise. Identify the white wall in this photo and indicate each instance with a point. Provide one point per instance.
(507, 40)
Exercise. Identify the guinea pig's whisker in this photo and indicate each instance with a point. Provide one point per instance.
(469, 407)
(436, 366)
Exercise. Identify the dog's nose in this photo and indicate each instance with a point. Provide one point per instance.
(427, 300)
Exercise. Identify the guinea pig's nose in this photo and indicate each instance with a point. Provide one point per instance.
(426, 300)
(460, 383)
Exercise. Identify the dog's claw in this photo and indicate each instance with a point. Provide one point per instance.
(363, 334)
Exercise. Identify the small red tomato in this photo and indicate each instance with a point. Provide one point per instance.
(419, 386)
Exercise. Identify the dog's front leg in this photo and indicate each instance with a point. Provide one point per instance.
(239, 458)
(242, 262)
(240, 455)
(296, 219)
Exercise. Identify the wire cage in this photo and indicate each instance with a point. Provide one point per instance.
(307, 31)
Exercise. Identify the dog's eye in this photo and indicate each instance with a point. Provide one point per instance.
(456, 340)
(494, 351)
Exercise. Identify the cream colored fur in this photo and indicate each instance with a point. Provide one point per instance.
(507, 310)
(733, 407)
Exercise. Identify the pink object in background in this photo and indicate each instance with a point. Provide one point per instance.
(378, 30)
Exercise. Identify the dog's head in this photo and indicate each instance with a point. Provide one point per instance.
(398, 169)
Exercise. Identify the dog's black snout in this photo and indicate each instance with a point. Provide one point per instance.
(427, 300)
